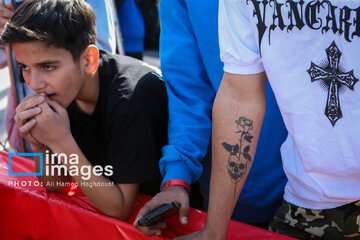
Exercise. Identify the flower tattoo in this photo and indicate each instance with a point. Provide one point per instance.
(239, 155)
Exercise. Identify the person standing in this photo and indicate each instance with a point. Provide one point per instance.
(192, 70)
(311, 63)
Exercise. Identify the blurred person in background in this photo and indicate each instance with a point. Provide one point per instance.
(132, 28)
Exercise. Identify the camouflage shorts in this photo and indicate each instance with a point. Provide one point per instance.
(337, 223)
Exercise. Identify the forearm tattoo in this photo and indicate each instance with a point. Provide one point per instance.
(239, 156)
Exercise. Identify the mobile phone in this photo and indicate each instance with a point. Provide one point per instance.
(165, 210)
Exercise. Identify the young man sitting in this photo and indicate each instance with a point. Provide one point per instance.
(103, 116)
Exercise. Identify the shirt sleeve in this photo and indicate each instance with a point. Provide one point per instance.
(138, 131)
(190, 94)
(133, 149)
(239, 49)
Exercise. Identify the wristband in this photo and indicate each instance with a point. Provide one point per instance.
(176, 182)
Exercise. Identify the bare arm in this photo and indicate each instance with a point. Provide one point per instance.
(49, 182)
(25, 119)
(115, 200)
(238, 113)
(53, 128)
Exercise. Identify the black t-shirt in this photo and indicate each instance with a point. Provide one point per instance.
(129, 124)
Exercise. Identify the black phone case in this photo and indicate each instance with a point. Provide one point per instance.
(156, 214)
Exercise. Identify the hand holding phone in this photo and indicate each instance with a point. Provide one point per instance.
(165, 210)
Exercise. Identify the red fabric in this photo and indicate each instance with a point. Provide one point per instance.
(30, 212)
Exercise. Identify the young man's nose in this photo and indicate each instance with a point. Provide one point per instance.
(36, 83)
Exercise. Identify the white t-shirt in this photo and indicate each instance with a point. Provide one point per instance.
(310, 53)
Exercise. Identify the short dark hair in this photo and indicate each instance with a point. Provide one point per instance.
(68, 24)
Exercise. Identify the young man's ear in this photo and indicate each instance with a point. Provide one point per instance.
(91, 59)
